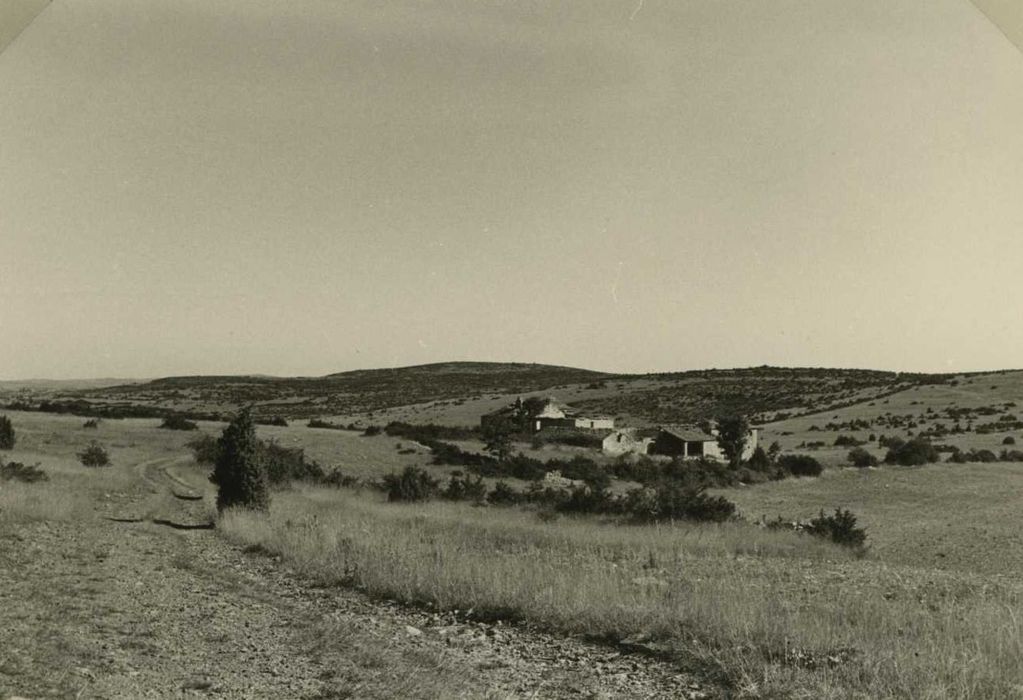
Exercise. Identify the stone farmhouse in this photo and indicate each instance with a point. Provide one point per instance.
(672, 441)
(539, 414)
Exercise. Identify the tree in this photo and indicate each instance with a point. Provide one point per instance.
(733, 431)
(239, 472)
(7, 438)
(497, 438)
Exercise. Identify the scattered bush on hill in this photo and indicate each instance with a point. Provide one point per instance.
(94, 456)
(7, 436)
(16, 471)
(859, 457)
(847, 441)
(504, 495)
(285, 464)
(464, 487)
(412, 484)
(800, 465)
(840, 528)
(910, 453)
(338, 479)
(177, 422)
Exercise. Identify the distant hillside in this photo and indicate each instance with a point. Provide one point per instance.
(457, 393)
(344, 393)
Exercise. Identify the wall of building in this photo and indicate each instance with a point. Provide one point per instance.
(623, 442)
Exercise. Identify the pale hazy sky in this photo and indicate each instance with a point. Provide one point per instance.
(302, 187)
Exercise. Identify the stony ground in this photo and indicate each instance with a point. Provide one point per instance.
(136, 609)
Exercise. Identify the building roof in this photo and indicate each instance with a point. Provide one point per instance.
(688, 433)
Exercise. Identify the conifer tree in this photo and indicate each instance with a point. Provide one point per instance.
(239, 472)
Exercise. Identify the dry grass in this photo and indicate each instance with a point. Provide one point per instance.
(777, 614)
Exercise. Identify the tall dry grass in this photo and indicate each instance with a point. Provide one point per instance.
(776, 614)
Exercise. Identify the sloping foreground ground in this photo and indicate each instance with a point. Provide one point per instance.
(96, 608)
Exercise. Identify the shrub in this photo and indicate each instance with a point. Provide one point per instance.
(800, 465)
(412, 484)
(91, 424)
(94, 456)
(317, 423)
(759, 461)
(339, 479)
(205, 449)
(847, 441)
(176, 422)
(840, 528)
(671, 500)
(1009, 440)
(913, 453)
(16, 471)
(372, 431)
(284, 464)
(504, 495)
(275, 420)
(859, 457)
(463, 487)
(7, 437)
(239, 472)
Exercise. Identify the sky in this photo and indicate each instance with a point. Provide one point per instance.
(306, 187)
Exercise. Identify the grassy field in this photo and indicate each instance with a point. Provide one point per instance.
(933, 611)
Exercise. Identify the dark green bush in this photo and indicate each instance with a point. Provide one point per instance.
(504, 495)
(240, 472)
(912, 453)
(16, 471)
(284, 464)
(859, 457)
(463, 487)
(176, 422)
(412, 484)
(800, 465)
(847, 441)
(339, 479)
(94, 456)
(759, 460)
(205, 449)
(1009, 440)
(840, 528)
(7, 436)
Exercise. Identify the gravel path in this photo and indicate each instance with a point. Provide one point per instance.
(104, 609)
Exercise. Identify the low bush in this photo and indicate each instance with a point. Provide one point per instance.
(178, 423)
(847, 441)
(464, 487)
(412, 484)
(285, 464)
(205, 449)
(912, 453)
(94, 456)
(16, 471)
(91, 424)
(800, 465)
(504, 495)
(372, 431)
(840, 528)
(859, 457)
(1009, 440)
(339, 479)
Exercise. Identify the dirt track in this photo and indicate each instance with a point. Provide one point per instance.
(134, 609)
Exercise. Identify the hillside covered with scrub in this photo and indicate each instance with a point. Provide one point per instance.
(457, 393)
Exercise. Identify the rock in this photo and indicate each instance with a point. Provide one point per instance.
(413, 631)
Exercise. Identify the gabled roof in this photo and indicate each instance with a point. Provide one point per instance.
(688, 433)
